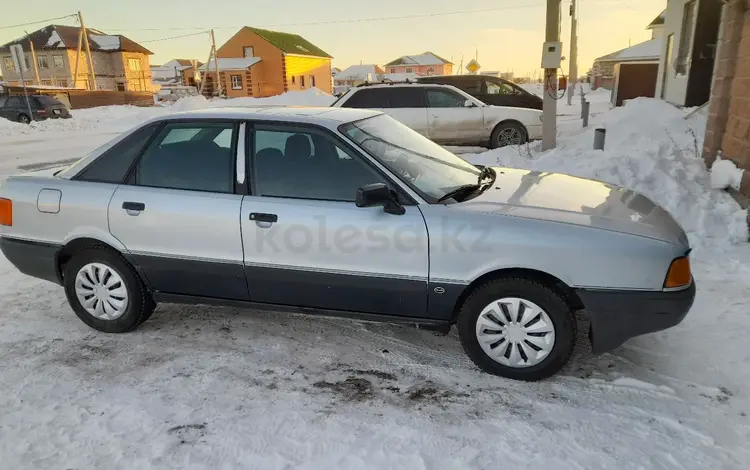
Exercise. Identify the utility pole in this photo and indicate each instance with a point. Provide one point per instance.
(573, 73)
(216, 61)
(33, 58)
(78, 57)
(85, 35)
(549, 125)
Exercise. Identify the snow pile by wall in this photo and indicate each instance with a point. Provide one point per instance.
(651, 149)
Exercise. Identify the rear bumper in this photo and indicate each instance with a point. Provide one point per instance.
(36, 259)
(617, 316)
(535, 132)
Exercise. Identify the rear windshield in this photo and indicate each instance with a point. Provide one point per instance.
(47, 100)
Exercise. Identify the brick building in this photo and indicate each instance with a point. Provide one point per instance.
(729, 110)
(258, 62)
(119, 63)
(426, 63)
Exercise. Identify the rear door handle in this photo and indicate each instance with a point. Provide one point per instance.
(134, 206)
(261, 217)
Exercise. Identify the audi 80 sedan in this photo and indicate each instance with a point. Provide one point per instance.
(348, 212)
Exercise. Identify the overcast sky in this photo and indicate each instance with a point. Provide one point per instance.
(508, 38)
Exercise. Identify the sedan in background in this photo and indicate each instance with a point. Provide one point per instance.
(447, 115)
(39, 108)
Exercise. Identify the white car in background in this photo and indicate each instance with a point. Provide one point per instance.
(447, 115)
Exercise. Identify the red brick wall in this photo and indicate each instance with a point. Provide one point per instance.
(729, 111)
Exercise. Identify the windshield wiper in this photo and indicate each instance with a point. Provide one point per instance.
(467, 188)
(486, 174)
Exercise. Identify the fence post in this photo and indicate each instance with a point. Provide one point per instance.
(585, 113)
(600, 136)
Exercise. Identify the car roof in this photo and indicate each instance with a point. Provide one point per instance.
(305, 115)
(400, 84)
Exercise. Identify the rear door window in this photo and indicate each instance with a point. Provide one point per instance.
(190, 156)
(48, 101)
(470, 85)
(405, 97)
(366, 98)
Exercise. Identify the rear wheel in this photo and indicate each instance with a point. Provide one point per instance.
(517, 328)
(508, 133)
(105, 292)
(23, 118)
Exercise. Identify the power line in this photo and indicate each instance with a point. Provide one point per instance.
(37, 22)
(354, 20)
(174, 37)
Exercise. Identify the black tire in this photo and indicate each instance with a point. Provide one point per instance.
(561, 315)
(24, 118)
(140, 303)
(518, 129)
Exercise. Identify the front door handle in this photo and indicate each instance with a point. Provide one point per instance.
(133, 206)
(261, 217)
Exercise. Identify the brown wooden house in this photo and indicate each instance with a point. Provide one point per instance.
(258, 62)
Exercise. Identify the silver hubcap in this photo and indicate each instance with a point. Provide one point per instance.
(515, 332)
(510, 137)
(101, 291)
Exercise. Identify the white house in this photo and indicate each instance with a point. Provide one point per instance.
(687, 59)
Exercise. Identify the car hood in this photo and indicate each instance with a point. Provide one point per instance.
(579, 201)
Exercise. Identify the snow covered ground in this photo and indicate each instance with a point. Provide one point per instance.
(200, 387)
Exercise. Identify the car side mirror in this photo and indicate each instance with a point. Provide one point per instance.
(469, 104)
(378, 194)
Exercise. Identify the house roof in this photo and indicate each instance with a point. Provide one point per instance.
(359, 72)
(290, 43)
(233, 63)
(658, 21)
(66, 37)
(649, 50)
(426, 58)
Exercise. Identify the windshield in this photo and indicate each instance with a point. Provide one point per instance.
(425, 166)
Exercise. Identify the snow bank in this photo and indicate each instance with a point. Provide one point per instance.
(725, 174)
(121, 118)
(651, 149)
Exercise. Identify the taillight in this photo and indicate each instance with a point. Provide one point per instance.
(6, 212)
(679, 274)
(41, 111)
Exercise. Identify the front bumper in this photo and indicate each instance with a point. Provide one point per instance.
(617, 316)
(32, 258)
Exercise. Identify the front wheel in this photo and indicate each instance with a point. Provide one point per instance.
(24, 119)
(105, 291)
(508, 133)
(517, 328)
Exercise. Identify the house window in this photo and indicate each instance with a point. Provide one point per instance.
(686, 40)
(62, 83)
(134, 64)
(409, 70)
(393, 70)
(42, 61)
(430, 71)
(312, 80)
(9, 64)
(27, 61)
(302, 81)
(120, 87)
(236, 82)
(248, 51)
(294, 80)
(57, 61)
